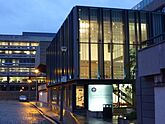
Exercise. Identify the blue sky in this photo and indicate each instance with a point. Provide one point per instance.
(17, 16)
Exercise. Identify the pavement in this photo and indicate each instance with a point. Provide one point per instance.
(15, 112)
(69, 117)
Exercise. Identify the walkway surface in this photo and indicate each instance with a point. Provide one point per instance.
(15, 112)
(69, 118)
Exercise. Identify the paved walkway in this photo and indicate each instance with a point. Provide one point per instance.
(69, 118)
(14, 112)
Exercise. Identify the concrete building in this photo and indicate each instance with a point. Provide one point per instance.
(17, 63)
(151, 82)
(92, 58)
(151, 5)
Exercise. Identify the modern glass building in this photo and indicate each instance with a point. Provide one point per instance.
(17, 62)
(93, 56)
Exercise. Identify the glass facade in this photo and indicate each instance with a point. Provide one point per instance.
(101, 44)
(59, 62)
(109, 40)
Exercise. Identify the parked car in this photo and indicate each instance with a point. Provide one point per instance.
(22, 98)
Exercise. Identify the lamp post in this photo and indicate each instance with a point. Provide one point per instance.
(36, 72)
(29, 81)
(63, 50)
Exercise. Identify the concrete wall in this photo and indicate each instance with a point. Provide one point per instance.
(159, 105)
(154, 5)
(150, 99)
(151, 60)
(145, 101)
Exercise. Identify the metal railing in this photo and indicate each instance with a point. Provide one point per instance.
(154, 40)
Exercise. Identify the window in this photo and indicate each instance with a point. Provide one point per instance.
(84, 43)
(79, 96)
(94, 42)
(107, 45)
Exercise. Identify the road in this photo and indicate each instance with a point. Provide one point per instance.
(14, 112)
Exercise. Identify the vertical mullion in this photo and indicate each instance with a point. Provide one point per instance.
(102, 46)
(89, 19)
(126, 44)
(111, 44)
(140, 36)
(78, 43)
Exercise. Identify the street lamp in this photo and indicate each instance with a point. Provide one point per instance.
(63, 50)
(29, 82)
(36, 72)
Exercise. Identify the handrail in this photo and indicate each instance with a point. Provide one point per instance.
(151, 41)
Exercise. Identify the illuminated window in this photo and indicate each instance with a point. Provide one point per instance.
(118, 49)
(19, 43)
(79, 96)
(17, 52)
(3, 70)
(34, 44)
(118, 61)
(107, 45)
(34, 52)
(3, 79)
(27, 52)
(84, 43)
(132, 38)
(94, 39)
(143, 26)
(94, 60)
(84, 60)
(3, 43)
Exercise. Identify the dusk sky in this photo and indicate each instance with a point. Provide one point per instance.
(17, 16)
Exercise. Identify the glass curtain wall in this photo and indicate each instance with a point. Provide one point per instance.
(117, 46)
(94, 42)
(107, 44)
(113, 36)
(84, 42)
(133, 43)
